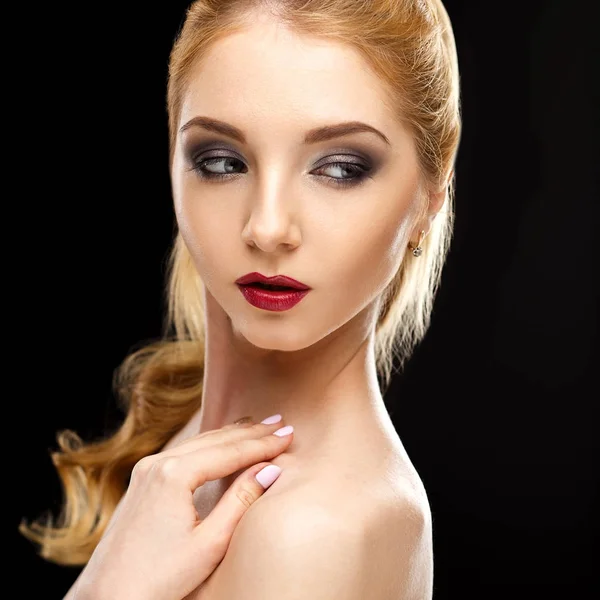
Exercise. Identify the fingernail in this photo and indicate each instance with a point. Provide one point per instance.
(268, 475)
(284, 431)
(242, 420)
(270, 420)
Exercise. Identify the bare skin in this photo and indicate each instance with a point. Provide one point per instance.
(280, 212)
(314, 364)
(365, 452)
(361, 478)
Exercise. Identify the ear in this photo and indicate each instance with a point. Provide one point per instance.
(436, 199)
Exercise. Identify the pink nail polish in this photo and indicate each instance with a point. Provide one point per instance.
(274, 419)
(284, 431)
(268, 475)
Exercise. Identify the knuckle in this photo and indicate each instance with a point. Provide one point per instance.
(273, 442)
(268, 444)
(245, 496)
(266, 448)
(142, 467)
(238, 449)
(166, 469)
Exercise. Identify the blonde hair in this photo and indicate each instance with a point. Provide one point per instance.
(410, 45)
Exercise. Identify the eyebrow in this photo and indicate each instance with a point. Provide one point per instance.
(313, 136)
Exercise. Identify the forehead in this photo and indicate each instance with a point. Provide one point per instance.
(266, 73)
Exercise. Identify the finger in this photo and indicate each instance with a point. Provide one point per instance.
(218, 436)
(242, 422)
(239, 424)
(220, 460)
(215, 531)
(208, 437)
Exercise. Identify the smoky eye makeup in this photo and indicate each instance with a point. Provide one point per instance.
(347, 166)
(195, 152)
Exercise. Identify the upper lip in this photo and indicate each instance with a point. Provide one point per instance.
(282, 280)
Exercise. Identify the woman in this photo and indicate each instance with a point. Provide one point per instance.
(312, 144)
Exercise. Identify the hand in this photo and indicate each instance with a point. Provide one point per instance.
(157, 547)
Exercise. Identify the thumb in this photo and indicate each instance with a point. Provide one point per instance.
(216, 529)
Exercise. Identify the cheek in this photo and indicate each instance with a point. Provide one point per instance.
(375, 252)
(206, 231)
(198, 219)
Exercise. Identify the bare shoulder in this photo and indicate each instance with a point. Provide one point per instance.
(392, 519)
(347, 532)
(400, 535)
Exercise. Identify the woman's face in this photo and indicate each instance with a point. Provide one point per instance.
(285, 205)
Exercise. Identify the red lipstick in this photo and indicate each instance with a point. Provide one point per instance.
(276, 293)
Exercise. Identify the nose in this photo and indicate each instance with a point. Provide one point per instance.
(272, 224)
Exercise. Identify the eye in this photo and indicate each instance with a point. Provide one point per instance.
(229, 164)
(360, 173)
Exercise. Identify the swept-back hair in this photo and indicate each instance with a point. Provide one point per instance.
(409, 44)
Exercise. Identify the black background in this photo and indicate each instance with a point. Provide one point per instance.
(497, 408)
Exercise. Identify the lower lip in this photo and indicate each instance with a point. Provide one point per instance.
(272, 300)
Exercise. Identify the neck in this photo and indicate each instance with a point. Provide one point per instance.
(328, 387)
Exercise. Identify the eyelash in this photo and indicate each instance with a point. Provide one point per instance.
(337, 181)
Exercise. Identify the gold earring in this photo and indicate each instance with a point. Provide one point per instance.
(417, 250)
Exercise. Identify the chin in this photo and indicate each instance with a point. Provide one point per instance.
(277, 340)
(274, 335)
